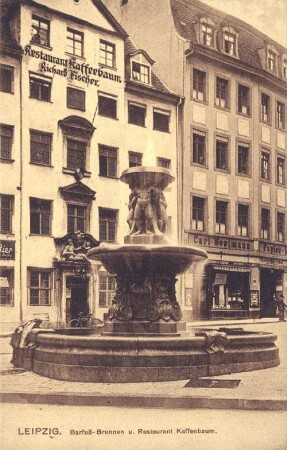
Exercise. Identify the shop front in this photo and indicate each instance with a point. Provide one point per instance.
(230, 293)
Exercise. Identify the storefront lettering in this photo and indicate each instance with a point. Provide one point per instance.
(72, 69)
(7, 250)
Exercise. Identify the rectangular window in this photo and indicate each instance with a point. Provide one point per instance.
(272, 61)
(76, 99)
(6, 138)
(198, 147)
(161, 120)
(6, 287)
(108, 161)
(107, 54)
(76, 154)
(40, 31)
(265, 108)
(40, 88)
(221, 217)
(39, 287)
(6, 78)
(280, 170)
(206, 35)
(280, 115)
(285, 69)
(107, 289)
(75, 42)
(265, 165)
(243, 220)
(6, 211)
(280, 227)
(229, 41)
(135, 159)
(265, 224)
(107, 106)
(137, 114)
(108, 224)
(77, 218)
(221, 153)
(221, 92)
(199, 85)
(163, 162)
(40, 148)
(40, 217)
(140, 72)
(197, 219)
(243, 158)
(243, 100)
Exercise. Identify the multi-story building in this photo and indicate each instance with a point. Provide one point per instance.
(80, 103)
(233, 162)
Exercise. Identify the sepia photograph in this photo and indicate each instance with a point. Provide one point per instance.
(143, 224)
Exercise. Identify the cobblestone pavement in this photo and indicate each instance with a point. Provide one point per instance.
(266, 384)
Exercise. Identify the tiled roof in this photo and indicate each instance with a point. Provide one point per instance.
(156, 83)
(187, 13)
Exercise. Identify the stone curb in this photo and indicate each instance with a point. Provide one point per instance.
(152, 401)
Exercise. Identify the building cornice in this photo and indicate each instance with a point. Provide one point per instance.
(147, 91)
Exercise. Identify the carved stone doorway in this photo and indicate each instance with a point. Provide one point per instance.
(76, 297)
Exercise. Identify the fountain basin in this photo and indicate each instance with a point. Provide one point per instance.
(131, 360)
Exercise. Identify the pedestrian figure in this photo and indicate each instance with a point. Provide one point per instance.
(281, 307)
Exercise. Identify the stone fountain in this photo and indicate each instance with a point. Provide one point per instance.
(144, 337)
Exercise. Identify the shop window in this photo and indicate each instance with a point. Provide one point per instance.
(107, 106)
(137, 114)
(198, 211)
(6, 139)
(40, 31)
(40, 217)
(75, 42)
(206, 34)
(230, 43)
(199, 85)
(135, 159)
(198, 147)
(108, 224)
(6, 287)
(107, 54)
(161, 120)
(76, 99)
(231, 291)
(163, 162)
(6, 78)
(280, 170)
(244, 100)
(140, 72)
(77, 218)
(221, 217)
(221, 150)
(39, 287)
(107, 289)
(243, 220)
(265, 165)
(280, 115)
(265, 108)
(108, 161)
(40, 148)
(280, 227)
(221, 98)
(40, 88)
(243, 158)
(265, 223)
(76, 154)
(6, 212)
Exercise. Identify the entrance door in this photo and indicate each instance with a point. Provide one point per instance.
(267, 289)
(76, 298)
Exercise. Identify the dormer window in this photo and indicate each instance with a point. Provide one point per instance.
(229, 43)
(206, 35)
(272, 61)
(285, 69)
(140, 72)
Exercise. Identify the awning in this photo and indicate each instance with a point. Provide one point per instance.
(220, 278)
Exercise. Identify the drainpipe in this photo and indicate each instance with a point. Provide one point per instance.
(21, 195)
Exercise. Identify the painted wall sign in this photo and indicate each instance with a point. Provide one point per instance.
(70, 68)
(7, 250)
(232, 269)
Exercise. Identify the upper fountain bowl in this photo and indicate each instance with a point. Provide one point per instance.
(141, 176)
